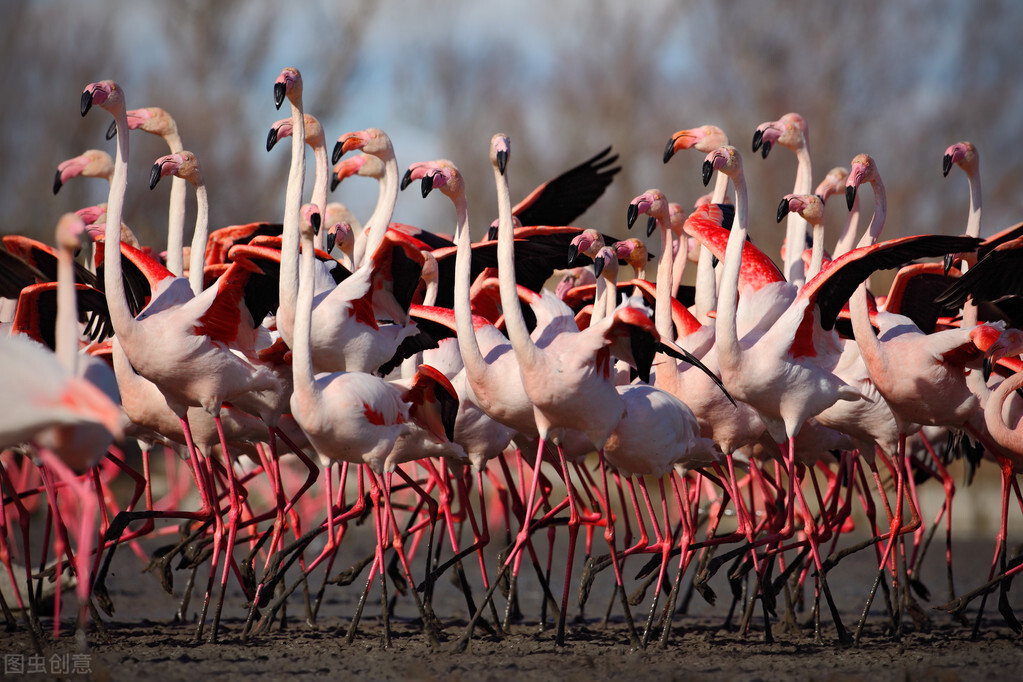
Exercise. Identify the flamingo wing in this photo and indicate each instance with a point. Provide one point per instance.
(710, 225)
(561, 200)
(995, 275)
(36, 313)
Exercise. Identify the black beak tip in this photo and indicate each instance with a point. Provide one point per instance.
(988, 367)
(502, 161)
(573, 252)
(329, 242)
(112, 130)
(335, 156)
(783, 209)
(334, 182)
(315, 220)
(279, 91)
(406, 179)
(427, 185)
(946, 165)
(765, 150)
(758, 137)
(669, 150)
(708, 170)
(86, 102)
(598, 267)
(57, 184)
(631, 214)
(850, 196)
(271, 139)
(154, 175)
(651, 225)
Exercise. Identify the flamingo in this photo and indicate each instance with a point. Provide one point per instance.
(704, 139)
(791, 132)
(314, 137)
(92, 163)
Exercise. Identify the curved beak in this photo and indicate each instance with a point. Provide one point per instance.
(708, 170)
(57, 184)
(155, 174)
(502, 160)
(669, 150)
(271, 138)
(573, 253)
(598, 266)
(427, 185)
(86, 102)
(279, 91)
(765, 149)
(946, 164)
(651, 225)
(758, 138)
(631, 215)
(335, 155)
(406, 179)
(850, 196)
(783, 209)
(112, 130)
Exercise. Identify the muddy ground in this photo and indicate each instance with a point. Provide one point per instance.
(142, 641)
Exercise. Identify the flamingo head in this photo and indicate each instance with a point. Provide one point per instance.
(93, 163)
(153, 120)
(106, 94)
(810, 206)
(633, 251)
(832, 183)
(963, 154)
(725, 159)
(183, 164)
(346, 168)
(606, 261)
(704, 139)
(309, 225)
(371, 140)
(587, 242)
(91, 214)
(651, 202)
(862, 169)
(288, 84)
(71, 232)
(441, 174)
(340, 234)
(500, 148)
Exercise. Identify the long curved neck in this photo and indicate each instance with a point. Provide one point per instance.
(662, 310)
(121, 318)
(66, 332)
(301, 355)
(726, 331)
(176, 215)
(863, 331)
(678, 267)
(1008, 438)
(515, 323)
(848, 237)
(973, 224)
(706, 298)
(288, 288)
(374, 229)
(817, 257)
(795, 232)
(468, 347)
(197, 256)
(319, 196)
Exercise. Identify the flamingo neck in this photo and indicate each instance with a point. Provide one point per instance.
(288, 288)
(176, 215)
(301, 355)
(66, 332)
(848, 237)
(1008, 438)
(319, 196)
(197, 256)
(374, 229)
(725, 330)
(817, 257)
(468, 347)
(720, 188)
(863, 331)
(121, 318)
(662, 310)
(678, 267)
(515, 323)
(973, 224)
(795, 232)
(880, 210)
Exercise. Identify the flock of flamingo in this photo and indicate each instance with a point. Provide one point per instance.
(299, 392)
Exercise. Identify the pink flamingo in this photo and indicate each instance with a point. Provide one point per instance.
(315, 138)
